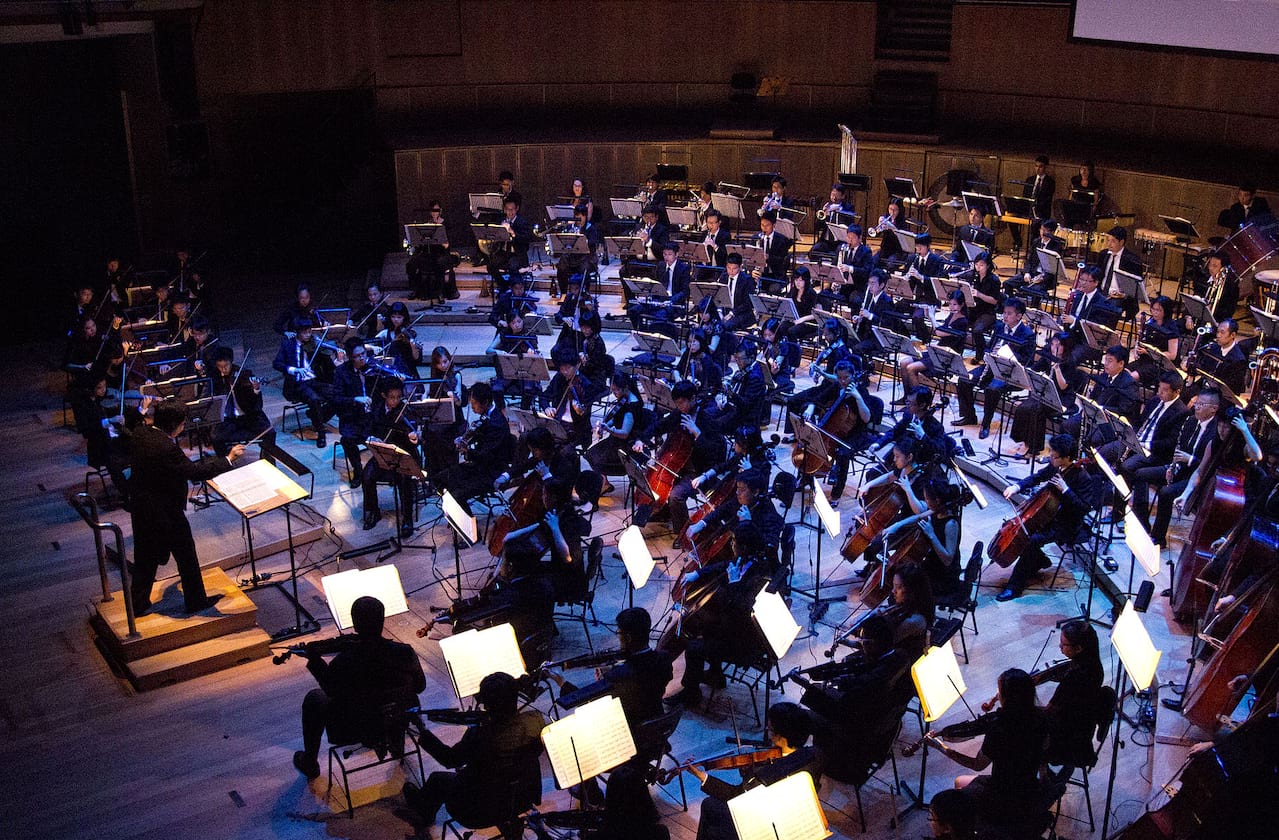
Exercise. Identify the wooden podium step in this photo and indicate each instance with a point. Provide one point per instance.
(196, 660)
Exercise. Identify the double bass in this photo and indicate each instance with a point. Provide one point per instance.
(1032, 516)
(1214, 517)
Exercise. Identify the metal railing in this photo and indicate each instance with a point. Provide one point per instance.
(87, 507)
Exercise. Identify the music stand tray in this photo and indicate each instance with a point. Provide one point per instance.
(627, 208)
(525, 368)
(988, 204)
(752, 256)
(717, 291)
(895, 343)
(439, 413)
(771, 306)
(422, 234)
(682, 216)
(1132, 286)
(484, 201)
(568, 243)
(1041, 320)
(1126, 433)
(1267, 324)
(644, 287)
(656, 345)
(1097, 335)
(1050, 263)
(1179, 227)
(524, 420)
(657, 391)
(812, 440)
(624, 246)
(901, 188)
(1009, 371)
(730, 206)
(899, 287)
(947, 361)
(1198, 309)
(1018, 206)
(906, 239)
(1045, 390)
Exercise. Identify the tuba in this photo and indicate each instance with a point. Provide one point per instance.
(1265, 379)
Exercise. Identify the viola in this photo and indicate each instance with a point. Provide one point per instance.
(525, 508)
(733, 761)
(912, 546)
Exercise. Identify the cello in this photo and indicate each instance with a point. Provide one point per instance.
(837, 421)
(911, 547)
(1033, 515)
(883, 504)
(664, 469)
(525, 508)
(1213, 519)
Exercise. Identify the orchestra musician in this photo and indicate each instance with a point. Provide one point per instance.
(618, 430)
(1114, 389)
(776, 246)
(918, 422)
(579, 264)
(1072, 709)
(674, 274)
(857, 261)
(1013, 331)
(308, 375)
(89, 353)
(890, 249)
(388, 424)
(244, 419)
(838, 205)
(517, 340)
(568, 395)
(789, 728)
(1161, 331)
(717, 238)
(865, 411)
(1223, 357)
(911, 609)
(1168, 481)
(368, 673)
(160, 312)
(779, 353)
(514, 301)
(371, 315)
(748, 456)
(550, 549)
(1041, 188)
(1036, 281)
(975, 232)
(629, 812)
(703, 204)
(1221, 288)
(745, 398)
(400, 340)
(107, 437)
(354, 388)
(1117, 258)
(1248, 207)
(1086, 179)
(740, 288)
(445, 382)
(508, 259)
(430, 264)
(495, 770)
(580, 199)
(179, 319)
(804, 296)
(302, 307)
(655, 196)
(953, 332)
(952, 816)
(776, 200)
(708, 437)
(506, 185)
(987, 297)
(921, 267)
(653, 232)
(1030, 417)
(696, 362)
(940, 506)
(878, 309)
(750, 501)
(1079, 494)
(822, 370)
(486, 449)
(1233, 446)
(1157, 430)
(1088, 303)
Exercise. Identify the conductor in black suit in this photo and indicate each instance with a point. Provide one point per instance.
(158, 486)
(740, 288)
(1246, 208)
(776, 246)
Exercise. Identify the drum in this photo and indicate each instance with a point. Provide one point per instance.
(1252, 248)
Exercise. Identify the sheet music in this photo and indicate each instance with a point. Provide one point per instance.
(256, 488)
(595, 738)
(785, 810)
(775, 621)
(473, 655)
(381, 582)
(937, 681)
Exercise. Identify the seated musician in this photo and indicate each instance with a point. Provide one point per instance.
(511, 258)
(952, 816)
(567, 397)
(860, 433)
(514, 301)
(444, 382)
(1223, 358)
(83, 307)
(741, 311)
(1193, 436)
(160, 310)
(179, 320)
(244, 418)
(639, 680)
(789, 728)
(804, 296)
(1030, 417)
(1220, 286)
(921, 266)
(776, 246)
(918, 422)
(975, 232)
(486, 449)
(1114, 389)
(371, 316)
(1233, 447)
(354, 386)
(1117, 258)
(717, 238)
(1247, 208)
(988, 300)
(780, 354)
(107, 437)
(1160, 331)
(877, 309)
(890, 249)
(1157, 430)
(822, 369)
(1014, 746)
(857, 262)
(502, 751)
(674, 275)
(429, 265)
(629, 812)
(199, 346)
(544, 456)
(1036, 282)
(1073, 708)
(939, 503)
(696, 420)
(399, 340)
(388, 424)
(697, 364)
(1087, 303)
(749, 458)
(719, 341)
(745, 398)
(308, 375)
(368, 672)
(579, 264)
(750, 503)
(1020, 339)
(89, 353)
(516, 340)
(1080, 494)
(653, 232)
(838, 205)
(715, 624)
(952, 334)
(911, 609)
(301, 308)
(618, 430)
(550, 548)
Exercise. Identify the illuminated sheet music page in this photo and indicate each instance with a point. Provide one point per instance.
(381, 582)
(257, 488)
(785, 810)
(595, 738)
(937, 680)
(473, 655)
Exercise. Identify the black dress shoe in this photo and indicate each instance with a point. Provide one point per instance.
(306, 765)
(715, 679)
(984, 433)
(370, 522)
(965, 421)
(321, 441)
(406, 531)
(688, 697)
(203, 605)
(354, 482)
(1006, 595)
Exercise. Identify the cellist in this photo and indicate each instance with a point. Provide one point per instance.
(859, 435)
(1080, 494)
(937, 512)
(708, 439)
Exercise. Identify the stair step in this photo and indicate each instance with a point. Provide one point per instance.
(166, 627)
(174, 666)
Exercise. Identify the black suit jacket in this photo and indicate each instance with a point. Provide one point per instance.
(1122, 396)
(778, 255)
(491, 445)
(348, 383)
(1234, 216)
(719, 254)
(1232, 369)
(1185, 437)
(639, 682)
(521, 238)
(861, 261)
(161, 472)
(1055, 244)
(679, 284)
(1099, 310)
(656, 237)
(743, 311)
(1128, 261)
(976, 234)
(1043, 196)
(1165, 439)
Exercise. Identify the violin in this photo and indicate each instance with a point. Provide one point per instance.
(962, 731)
(733, 761)
(1055, 672)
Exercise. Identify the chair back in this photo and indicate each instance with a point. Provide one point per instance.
(1107, 703)
(653, 736)
(784, 487)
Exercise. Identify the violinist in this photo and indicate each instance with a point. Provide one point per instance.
(975, 232)
(89, 354)
(579, 264)
(568, 395)
(719, 339)
(198, 348)
(371, 316)
(629, 812)
(720, 629)
(988, 300)
(245, 418)
(308, 375)
(1036, 282)
(1073, 708)
(1020, 340)
(1157, 431)
(445, 383)
(514, 301)
(937, 512)
(1014, 746)
(954, 335)
(708, 438)
(368, 672)
(1223, 358)
(106, 436)
(486, 449)
(354, 387)
(618, 430)
(1162, 332)
(696, 363)
(717, 238)
(1079, 495)
(1030, 417)
(952, 816)
(674, 275)
(1114, 389)
(890, 249)
(400, 340)
(789, 728)
(495, 770)
(780, 354)
(516, 340)
(387, 424)
(301, 308)
(179, 320)
(919, 424)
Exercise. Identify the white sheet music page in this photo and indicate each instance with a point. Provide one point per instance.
(595, 738)
(256, 488)
(785, 810)
(473, 655)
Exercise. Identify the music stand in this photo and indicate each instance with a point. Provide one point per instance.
(524, 367)
(205, 412)
(1091, 414)
(658, 392)
(1198, 309)
(484, 201)
(626, 208)
(1132, 285)
(844, 322)
(906, 239)
(810, 439)
(943, 286)
(785, 810)
(425, 233)
(253, 490)
(396, 461)
(472, 655)
(1098, 336)
(899, 287)
(971, 249)
(341, 590)
(661, 349)
(1183, 229)
(562, 244)
(988, 204)
(464, 527)
(646, 288)
(594, 739)
(729, 205)
(939, 684)
(770, 306)
(1041, 320)
(1267, 324)
(637, 559)
(638, 475)
(718, 292)
(433, 413)
(827, 275)
(624, 247)
(490, 233)
(901, 188)
(692, 252)
(1018, 207)
(685, 217)
(752, 257)
(1050, 262)
(524, 420)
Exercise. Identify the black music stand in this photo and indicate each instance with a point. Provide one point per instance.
(1013, 376)
(525, 420)
(901, 188)
(624, 247)
(201, 414)
(396, 461)
(946, 363)
(811, 438)
(897, 345)
(769, 306)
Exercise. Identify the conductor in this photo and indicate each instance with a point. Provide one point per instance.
(158, 485)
